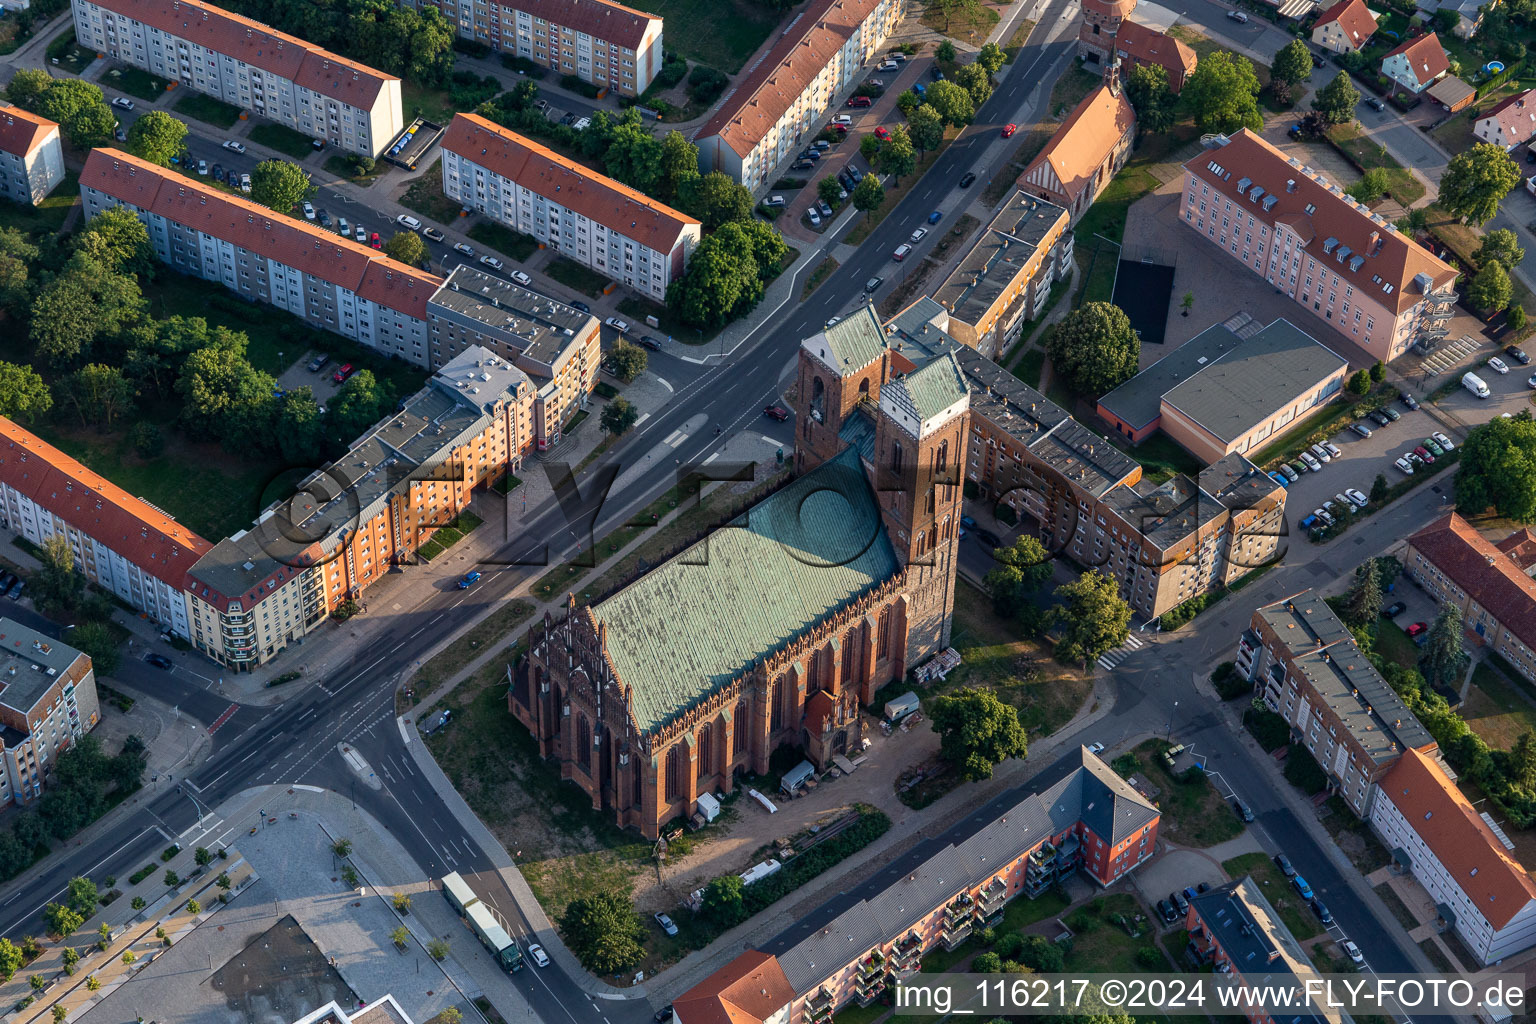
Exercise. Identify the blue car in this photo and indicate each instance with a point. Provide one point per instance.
(1302, 887)
(469, 580)
(968, 522)
(934, 217)
(1279, 478)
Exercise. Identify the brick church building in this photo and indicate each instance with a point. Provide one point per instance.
(774, 629)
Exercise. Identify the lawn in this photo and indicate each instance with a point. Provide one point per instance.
(511, 244)
(669, 323)
(284, 140)
(1029, 366)
(1398, 908)
(823, 271)
(47, 218)
(417, 101)
(574, 275)
(1017, 40)
(494, 628)
(1495, 710)
(136, 82)
(208, 109)
(721, 33)
(1069, 90)
(972, 24)
(71, 55)
(425, 196)
(1293, 910)
(342, 165)
(1161, 457)
(1367, 155)
(1104, 943)
(447, 536)
(1464, 240)
(1393, 644)
(1204, 46)
(1194, 813)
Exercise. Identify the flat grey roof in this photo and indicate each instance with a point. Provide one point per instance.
(541, 327)
(30, 662)
(1005, 246)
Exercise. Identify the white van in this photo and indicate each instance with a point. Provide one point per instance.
(1473, 383)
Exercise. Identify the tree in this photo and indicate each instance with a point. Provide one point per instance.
(83, 897)
(10, 953)
(1371, 186)
(1363, 603)
(401, 903)
(1094, 349)
(99, 393)
(118, 240)
(1522, 759)
(1378, 372)
(1360, 382)
(22, 392)
(81, 110)
(828, 189)
(17, 256)
(952, 103)
(868, 194)
(202, 856)
(130, 957)
(897, 157)
(408, 248)
(84, 301)
(715, 199)
(1447, 19)
(157, 137)
(1043, 956)
(619, 416)
(27, 85)
(280, 185)
(949, 8)
(992, 57)
(925, 128)
(869, 146)
(718, 282)
(977, 732)
(300, 426)
(634, 156)
(944, 53)
(723, 901)
(1222, 94)
(437, 949)
(628, 361)
(360, 403)
(450, 1015)
(604, 931)
(1022, 567)
(1379, 488)
(974, 80)
(61, 920)
(171, 879)
(1516, 318)
(225, 398)
(194, 907)
(679, 165)
(1498, 468)
(1092, 617)
(1476, 180)
(342, 848)
(401, 936)
(1502, 245)
(1443, 659)
(70, 957)
(1490, 289)
(1154, 102)
(1336, 101)
(1293, 64)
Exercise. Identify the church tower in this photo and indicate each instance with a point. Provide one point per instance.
(1101, 23)
(840, 368)
(920, 437)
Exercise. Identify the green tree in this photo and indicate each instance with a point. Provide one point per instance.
(1490, 289)
(157, 137)
(70, 957)
(1443, 659)
(59, 1012)
(952, 103)
(1378, 372)
(619, 416)
(628, 361)
(157, 350)
(1516, 318)
(280, 185)
(925, 128)
(225, 398)
(1022, 567)
(1293, 64)
(92, 983)
(869, 146)
(1379, 488)
(1360, 382)
(430, 44)
(171, 879)
(1371, 186)
(408, 248)
(17, 256)
(604, 931)
(634, 157)
(450, 1015)
(828, 189)
(1222, 94)
(300, 426)
(81, 110)
(718, 282)
(130, 957)
(944, 53)
(868, 194)
(437, 949)
(1154, 102)
(1091, 616)
(99, 393)
(679, 165)
(1094, 349)
(401, 902)
(1500, 244)
(23, 395)
(61, 920)
(27, 85)
(992, 57)
(1362, 606)
(974, 80)
(10, 953)
(118, 240)
(83, 897)
(977, 731)
(715, 200)
(1522, 759)
(360, 403)
(724, 901)
(194, 907)
(202, 856)
(342, 848)
(897, 157)
(83, 302)
(1476, 180)
(948, 9)
(1043, 956)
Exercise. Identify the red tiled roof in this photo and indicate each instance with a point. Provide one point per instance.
(1516, 115)
(1426, 57)
(748, 990)
(1450, 826)
(22, 131)
(1520, 546)
(140, 533)
(1148, 46)
(1085, 140)
(1316, 213)
(1354, 19)
(600, 19)
(260, 46)
(750, 112)
(292, 242)
(1479, 568)
(559, 180)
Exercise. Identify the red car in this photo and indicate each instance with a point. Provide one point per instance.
(1417, 628)
(778, 412)
(373, 240)
(841, 129)
(1424, 454)
(342, 373)
(1009, 129)
(859, 101)
(881, 133)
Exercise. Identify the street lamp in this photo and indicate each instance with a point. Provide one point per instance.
(1169, 732)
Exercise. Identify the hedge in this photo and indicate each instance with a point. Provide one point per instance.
(871, 825)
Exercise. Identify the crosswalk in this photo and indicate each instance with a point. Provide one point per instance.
(1109, 659)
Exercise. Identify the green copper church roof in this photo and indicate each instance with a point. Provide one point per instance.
(683, 630)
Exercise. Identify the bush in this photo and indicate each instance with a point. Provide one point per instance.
(987, 963)
(1268, 728)
(1229, 684)
(137, 903)
(871, 826)
(141, 874)
(672, 72)
(1303, 771)
(705, 84)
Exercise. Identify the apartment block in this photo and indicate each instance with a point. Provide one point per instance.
(31, 156)
(1460, 855)
(1298, 231)
(253, 66)
(47, 702)
(1077, 815)
(1490, 584)
(1306, 667)
(1006, 277)
(333, 283)
(612, 46)
(774, 109)
(583, 215)
(347, 525)
(121, 543)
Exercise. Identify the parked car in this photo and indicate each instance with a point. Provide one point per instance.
(309, 211)
(361, 233)
(935, 217)
(821, 145)
(1424, 454)
(160, 661)
(917, 236)
(1352, 951)
(537, 955)
(469, 579)
(342, 373)
(1290, 474)
(233, 146)
(814, 216)
(375, 241)
(825, 208)
(842, 119)
(1181, 901)
(888, 65)
(1433, 446)
(434, 234)
(1375, 103)
(316, 363)
(1321, 910)
(1324, 515)
(666, 923)
(1310, 461)
(323, 219)
(1321, 454)
(202, 168)
(773, 202)
(123, 103)
(405, 220)
(1243, 810)
(812, 155)
(578, 304)
(1497, 365)
(1167, 911)
(1238, 16)
(1416, 629)
(935, 74)
(831, 321)
(1359, 499)
(1332, 449)
(1405, 466)
(1394, 609)
(872, 284)
(987, 538)
(901, 252)
(218, 172)
(967, 178)
(1299, 467)
(1360, 428)
(622, 326)
(1381, 419)
(662, 1015)
(1284, 864)
(1517, 353)
(465, 249)
(1408, 400)
(521, 278)
(882, 133)
(776, 412)
(119, 134)
(245, 182)
(492, 262)
(803, 165)
(858, 101)
(649, 342)
(1445, 442)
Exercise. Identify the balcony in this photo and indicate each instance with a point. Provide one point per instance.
(818, 1008)
(957, 922)
(992, 899)
(872, 966)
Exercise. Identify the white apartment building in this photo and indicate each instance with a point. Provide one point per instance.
(121, 543)
(47, 702)
(332, 282)
(31, 156)
(581, 214)
(772, 112)
(605, 43)
(255, 67)
(1459, 855)
(1297, 230)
